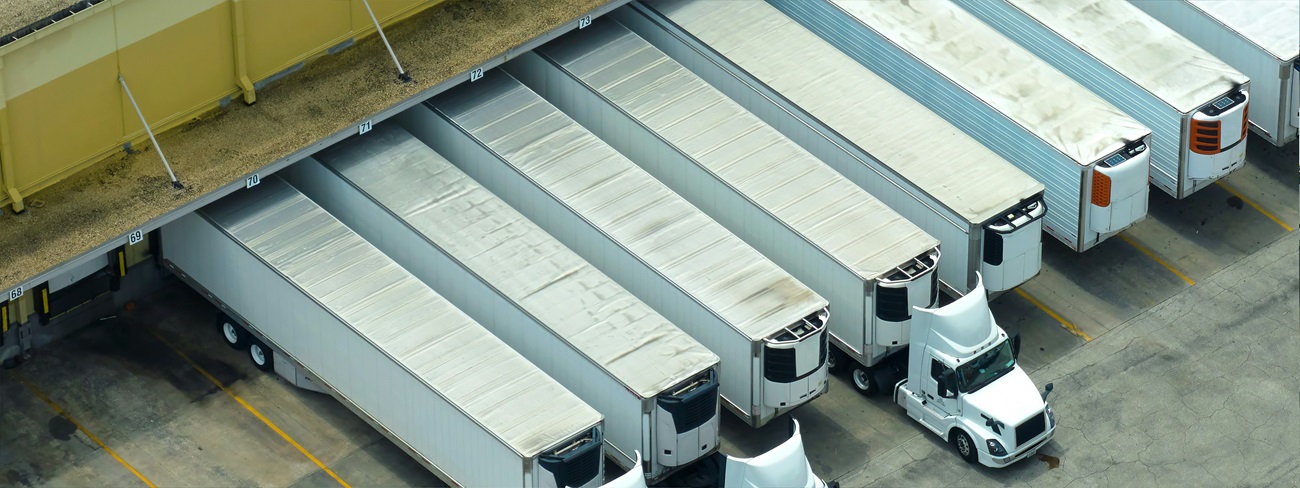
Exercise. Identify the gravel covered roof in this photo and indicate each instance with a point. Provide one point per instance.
(125, 191)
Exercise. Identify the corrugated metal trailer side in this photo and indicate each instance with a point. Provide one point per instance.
(656, 386)
(767, 327)
(460, 401)
(857, 123)
(1261, 38)
(1081, 148)
(1146, 69)
(871, 263)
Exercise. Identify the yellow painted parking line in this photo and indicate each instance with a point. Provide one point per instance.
(1157, 259)
(251, 410)
(1253, 205)
(1064, 323)
(59, 410)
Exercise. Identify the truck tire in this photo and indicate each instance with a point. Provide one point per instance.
(260, 355)
(965, 447)
(233, 333)
(864, 381)
(837, 362)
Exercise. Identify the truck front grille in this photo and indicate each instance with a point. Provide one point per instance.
(1030, 428)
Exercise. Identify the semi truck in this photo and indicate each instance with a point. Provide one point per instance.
(783, 466)
(1260, 38)
(1090, 156)
(656, 386)
(986, 213)
(1195, 105)
(964, 385)
(312, 301)
(868, 261)
(767, 328)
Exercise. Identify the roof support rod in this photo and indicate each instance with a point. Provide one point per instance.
(401, 73)
(175, 182)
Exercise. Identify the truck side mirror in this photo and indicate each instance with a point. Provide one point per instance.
(1015, 346)
(946, 389)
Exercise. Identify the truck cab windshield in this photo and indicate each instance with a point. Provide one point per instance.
(984, 369)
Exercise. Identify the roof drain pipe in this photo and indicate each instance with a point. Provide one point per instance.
(175, 182)
(401, 73)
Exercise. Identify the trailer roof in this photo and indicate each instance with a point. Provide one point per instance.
(433, 340)
(916, 143)
(735, 282)
(1139, 48)
(993, 68)
(826, 209)
(1273, 25)
(586, 309)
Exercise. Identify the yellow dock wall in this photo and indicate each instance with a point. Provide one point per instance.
(62, 108)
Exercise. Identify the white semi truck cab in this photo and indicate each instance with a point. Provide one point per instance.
(963, 384)
(785, 466)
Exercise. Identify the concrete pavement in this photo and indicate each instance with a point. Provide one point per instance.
(1202, 389)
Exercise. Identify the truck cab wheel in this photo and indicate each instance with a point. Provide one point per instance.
(234, 334)
(864, 382)
(261, 355)
(965, 447)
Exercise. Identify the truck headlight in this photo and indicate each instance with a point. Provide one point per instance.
(995, 448)
(1051, 416)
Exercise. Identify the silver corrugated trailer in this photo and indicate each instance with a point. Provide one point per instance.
(1090, 156)
(343, 318)
(986, 213)
(1194, 104)
(656, 386)
(1260, 38)
(871, 263)
(766, 326)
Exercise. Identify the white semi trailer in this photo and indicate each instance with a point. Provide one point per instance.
(1194, 104)
(1091, 157)
(986, 212)
(1260, 38)
(656, 386)
(768, 328)
(323, 308)
(871, 263)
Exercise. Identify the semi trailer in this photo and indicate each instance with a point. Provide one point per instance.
(656, 386)
(767, 328)
(986, 213)
(1091, 157)
(1195, 105)
(314, 302)
(868, 261)
(1260, 38)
